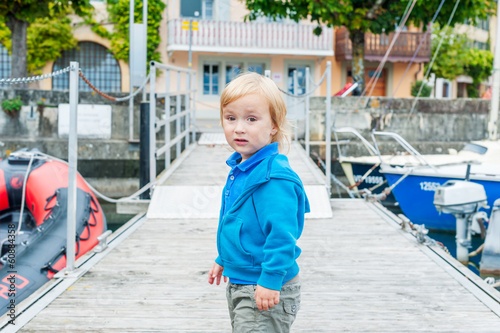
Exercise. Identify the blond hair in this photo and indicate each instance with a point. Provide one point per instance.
(253, 83)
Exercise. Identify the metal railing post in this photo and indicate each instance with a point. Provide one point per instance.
(167, 116)
(296, 104)
(187, 106)
(72, 166)
(152, 120)
(131, 84)
(328, 125)
(144, 151)
(177, 121)
(193, 113)
(307, 129)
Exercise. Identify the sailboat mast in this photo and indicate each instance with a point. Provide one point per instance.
(495, 94)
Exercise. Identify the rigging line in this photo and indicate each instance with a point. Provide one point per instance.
(418, 48)
(406, 174)
(362, 179)
(374, 79)
(386, 55)
(436, 52)
(386, 107)
(406, 15)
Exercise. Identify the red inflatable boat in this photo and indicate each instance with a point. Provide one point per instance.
(33, 246)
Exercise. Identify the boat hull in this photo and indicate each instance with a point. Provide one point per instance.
(33, 252)
(415, 194)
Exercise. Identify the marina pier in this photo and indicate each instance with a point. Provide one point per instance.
(360, 271)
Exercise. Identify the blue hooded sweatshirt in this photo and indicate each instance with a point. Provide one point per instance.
(256, 238)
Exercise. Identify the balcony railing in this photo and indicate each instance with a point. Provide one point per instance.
(251, 37)
(376, 46)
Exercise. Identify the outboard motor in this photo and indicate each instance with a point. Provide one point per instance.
(461, 199)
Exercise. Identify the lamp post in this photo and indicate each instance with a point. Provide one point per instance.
(138, 36)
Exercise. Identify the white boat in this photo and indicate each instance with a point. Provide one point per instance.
(363, 172)
(414, 186)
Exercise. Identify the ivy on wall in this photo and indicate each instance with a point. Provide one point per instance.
(47, 39)
(5, 35)
(119, 16)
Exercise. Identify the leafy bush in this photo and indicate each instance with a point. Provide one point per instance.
(12, 106)
(472, 91)
(426, 89)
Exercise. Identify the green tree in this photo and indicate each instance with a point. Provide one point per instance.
(425, 91)
(452, 57)
(456, 58)
(478, 66)
(361, 16)
(19, 14)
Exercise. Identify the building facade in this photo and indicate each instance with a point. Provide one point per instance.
(224, 45)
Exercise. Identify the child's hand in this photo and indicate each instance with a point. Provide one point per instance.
(266, 298)
(216, 272)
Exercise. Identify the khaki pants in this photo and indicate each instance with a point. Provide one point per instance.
(246, 317)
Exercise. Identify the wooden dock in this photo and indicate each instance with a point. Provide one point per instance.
(360, 273)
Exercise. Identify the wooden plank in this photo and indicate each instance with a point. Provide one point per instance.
(358, 275)
(194, 189)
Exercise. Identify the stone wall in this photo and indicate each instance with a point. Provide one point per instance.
(434, 126)
(36, 126)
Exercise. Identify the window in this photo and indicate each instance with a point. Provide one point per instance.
(232, 70)
(211, 79)
(208, 9)
(97, 64)
(269, 19)
(301, 78)
(197, 8)
(446, 88)
(191, 8)
(5, 65)
(218, 71)
(483, 24)
(257, 68)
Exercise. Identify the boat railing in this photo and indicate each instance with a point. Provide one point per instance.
(349, 130)
(402, 142)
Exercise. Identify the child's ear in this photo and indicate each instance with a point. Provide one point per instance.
(274, 130)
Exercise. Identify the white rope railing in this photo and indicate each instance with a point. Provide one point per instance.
(22, 80)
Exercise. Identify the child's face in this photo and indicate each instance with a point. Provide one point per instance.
(248, 125)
